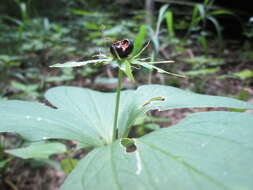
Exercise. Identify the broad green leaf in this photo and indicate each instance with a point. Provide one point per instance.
(41, 150)
(35, 122)
(139, 40)
(81, 63)
(97, 108)
(86, 116)
(178, 98)
(143, 100)
(209, 150)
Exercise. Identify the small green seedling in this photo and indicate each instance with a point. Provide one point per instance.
(208, 150)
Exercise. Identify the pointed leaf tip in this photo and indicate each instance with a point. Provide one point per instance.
(79, 64)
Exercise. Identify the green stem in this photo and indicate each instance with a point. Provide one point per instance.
(116, 113)
(151, 71)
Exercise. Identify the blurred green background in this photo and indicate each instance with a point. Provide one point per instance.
(210, 41)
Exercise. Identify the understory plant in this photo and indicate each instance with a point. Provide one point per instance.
(201, 15)
(207, 150)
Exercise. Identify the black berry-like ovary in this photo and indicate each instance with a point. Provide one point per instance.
(122, 47)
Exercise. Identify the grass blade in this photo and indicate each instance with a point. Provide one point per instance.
(170, 24)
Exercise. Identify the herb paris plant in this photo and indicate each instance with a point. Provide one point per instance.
(121, 51)
(208, 150)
